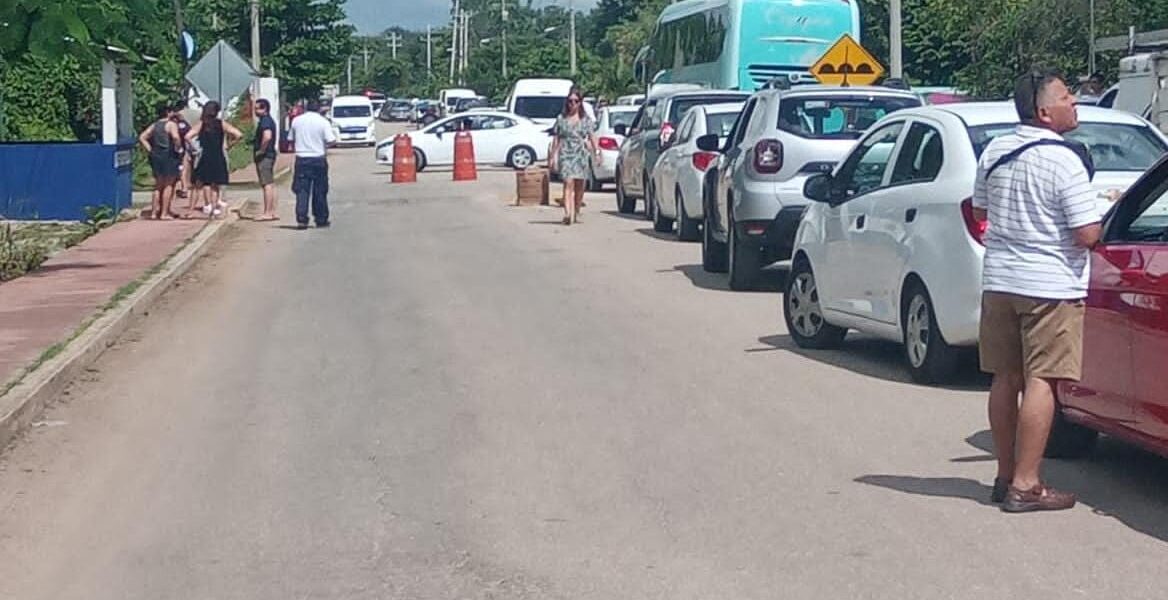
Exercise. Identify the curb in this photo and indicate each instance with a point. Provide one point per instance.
(25, 401)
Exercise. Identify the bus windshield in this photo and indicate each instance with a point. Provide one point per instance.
(783, 38)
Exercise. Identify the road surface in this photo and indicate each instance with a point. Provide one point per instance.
(444, 397)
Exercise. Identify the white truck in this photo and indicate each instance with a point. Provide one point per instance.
(1143, 76)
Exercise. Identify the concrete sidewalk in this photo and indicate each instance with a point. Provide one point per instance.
(46, 306)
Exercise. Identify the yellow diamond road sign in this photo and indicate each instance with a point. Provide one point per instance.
(847, 63)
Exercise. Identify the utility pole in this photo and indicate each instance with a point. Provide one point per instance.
(365, 56)
(454, 42)
(429, 51)
(503, 5)
(465, 49)
(255, 35)
(894, 39)
(1091, 59)
(395, 42)
(349, 75)
(572, 35)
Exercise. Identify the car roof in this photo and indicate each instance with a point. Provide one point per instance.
(989, 113)
(707, 94)
(621, 108)
(722, 108)
(820, 90)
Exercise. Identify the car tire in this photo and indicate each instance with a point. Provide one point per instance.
(930, 359)
(714, 258)
(803, 313)
(624, 204)
(661, 224)
(650, 201)
(520, 157)
(687, 228)
(591, 184)
(419, 160)
(1067, 439)
(745, 262)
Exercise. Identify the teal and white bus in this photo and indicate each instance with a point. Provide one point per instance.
(744, 44)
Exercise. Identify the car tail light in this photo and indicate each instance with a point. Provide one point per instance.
(607, 143)
(976, 227)
(768, 156)
(702, 160)
(666, 133)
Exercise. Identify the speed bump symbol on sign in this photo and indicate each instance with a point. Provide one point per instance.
(847, 63)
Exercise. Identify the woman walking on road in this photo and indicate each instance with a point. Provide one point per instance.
(573, 143)
(215, 136)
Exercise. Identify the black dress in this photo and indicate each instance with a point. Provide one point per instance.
(212, 167)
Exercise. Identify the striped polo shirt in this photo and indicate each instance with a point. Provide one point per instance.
(1034, 202)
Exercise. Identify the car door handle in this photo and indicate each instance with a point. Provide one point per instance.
(910, 215)
(860, 220)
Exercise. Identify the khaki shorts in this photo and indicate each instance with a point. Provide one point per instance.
(1033, 336)
(265, 168)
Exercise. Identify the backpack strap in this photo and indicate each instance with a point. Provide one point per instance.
(1079, 149)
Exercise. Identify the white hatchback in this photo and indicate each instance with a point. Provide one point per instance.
(890, 246)
(499, 138)
(677, 178)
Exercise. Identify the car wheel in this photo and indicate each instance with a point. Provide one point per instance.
(1067, 439)
(419, 160)
(745, 262)
(624, 204)
(591, 184)
(713, 251)
(687, 228)
(650, 195)
(661, 223)
(520, 157)
(930, 359)
(804, 314)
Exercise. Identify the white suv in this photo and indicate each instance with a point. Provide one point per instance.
(754, 193)
(891, 247)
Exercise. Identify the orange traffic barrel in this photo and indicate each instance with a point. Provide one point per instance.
(405, 168)
(464, 157)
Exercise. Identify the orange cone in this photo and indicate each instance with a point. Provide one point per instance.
(405, 169)
(464, 157)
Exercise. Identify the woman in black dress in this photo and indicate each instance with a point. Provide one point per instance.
(215, 136)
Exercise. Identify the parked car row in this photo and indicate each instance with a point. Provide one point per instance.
(868, 193)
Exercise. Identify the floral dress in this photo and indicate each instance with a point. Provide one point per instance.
(572, 161)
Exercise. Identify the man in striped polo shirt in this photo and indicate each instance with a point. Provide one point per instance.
(1036, 194)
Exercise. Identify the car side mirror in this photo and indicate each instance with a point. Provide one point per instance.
(622, 130)
(709, 143)
(819, 188)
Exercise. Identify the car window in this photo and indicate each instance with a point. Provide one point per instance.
(623, 117)
(642, 117)
(835, 116)
(720, 123)
(1113, 146)
(865, 167)
(740, 125)
(679, 106)
(345, 112)
(685, 130)
(1142, 215)
(490, 122)
(920, 157)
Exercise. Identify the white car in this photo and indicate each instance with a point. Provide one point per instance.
(499, 138)
(352, 119)
(609, 142)
(678, 175)
(890, 245)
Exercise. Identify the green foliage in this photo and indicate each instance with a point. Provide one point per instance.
(52, 29)
(99, 217)
(50, 100)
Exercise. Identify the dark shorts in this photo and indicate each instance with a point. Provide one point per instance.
(266, 169)
(165, 166)
(1035, 337)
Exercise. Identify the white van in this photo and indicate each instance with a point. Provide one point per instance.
(449, 98)
(540, 100)
(352, 118)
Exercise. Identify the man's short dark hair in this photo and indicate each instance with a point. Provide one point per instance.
(163, 109)
(179, 106)
(264, 104)
(1028, 88)
(312, 106)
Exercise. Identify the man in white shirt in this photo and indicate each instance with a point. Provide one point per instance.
(1043, 221)
(312, 134)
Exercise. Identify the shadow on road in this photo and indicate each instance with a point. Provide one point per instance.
(649, 232)
(621, 215)
(1117, 480)
(877, 358)
(770, 280)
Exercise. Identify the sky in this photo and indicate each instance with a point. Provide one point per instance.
(375, 16)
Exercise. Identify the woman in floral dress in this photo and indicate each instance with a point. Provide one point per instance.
(574, 143)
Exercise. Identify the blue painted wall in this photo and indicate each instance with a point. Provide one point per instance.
(57, 180)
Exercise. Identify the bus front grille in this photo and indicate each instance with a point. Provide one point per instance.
(762, 74)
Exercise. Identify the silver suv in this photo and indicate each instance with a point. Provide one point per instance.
(754, 193)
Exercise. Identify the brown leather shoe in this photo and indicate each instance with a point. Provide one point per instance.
(1040, 497)
(1001, 487)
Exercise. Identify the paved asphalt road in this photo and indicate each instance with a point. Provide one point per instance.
(446, 398)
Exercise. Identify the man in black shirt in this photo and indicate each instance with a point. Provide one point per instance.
(265, 157)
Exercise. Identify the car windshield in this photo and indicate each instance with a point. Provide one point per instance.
(345, 112)
(539, 107)
(621, 118)
(1113, 146)
(721, 123)
(837, 117)
(680, 106)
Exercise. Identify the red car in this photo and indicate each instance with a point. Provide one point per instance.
(1124, 390)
